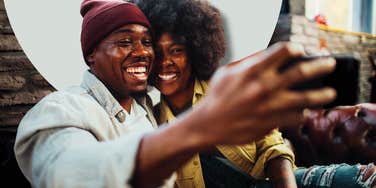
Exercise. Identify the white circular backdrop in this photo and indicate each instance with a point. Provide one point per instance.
(49, 33)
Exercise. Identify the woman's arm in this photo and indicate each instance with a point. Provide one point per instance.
(281, 174)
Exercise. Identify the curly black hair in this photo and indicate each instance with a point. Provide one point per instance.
(197, 22)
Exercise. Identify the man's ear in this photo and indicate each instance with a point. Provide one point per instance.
(90, 58)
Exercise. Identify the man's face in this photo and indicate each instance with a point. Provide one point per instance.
(122, 61)
(172, 66)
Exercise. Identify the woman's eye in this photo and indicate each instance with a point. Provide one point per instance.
(176, 50)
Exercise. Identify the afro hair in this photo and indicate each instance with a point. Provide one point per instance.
(197, 22)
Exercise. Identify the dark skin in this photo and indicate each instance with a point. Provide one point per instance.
(174, 78)
(280, 172)
(120, 64)
(174, 81)
(259, 104)
(122, 61)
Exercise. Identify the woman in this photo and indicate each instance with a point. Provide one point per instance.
(189, 44)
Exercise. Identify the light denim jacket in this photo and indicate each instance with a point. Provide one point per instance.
(79, 137)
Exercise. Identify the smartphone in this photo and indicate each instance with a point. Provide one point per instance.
(344, 79)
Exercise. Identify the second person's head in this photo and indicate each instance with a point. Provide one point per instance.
(189, 42)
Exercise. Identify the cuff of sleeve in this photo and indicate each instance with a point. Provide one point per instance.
(283, 151)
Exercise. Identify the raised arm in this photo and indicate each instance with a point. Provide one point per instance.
(245, 102)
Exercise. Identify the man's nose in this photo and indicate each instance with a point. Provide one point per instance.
(139, 50)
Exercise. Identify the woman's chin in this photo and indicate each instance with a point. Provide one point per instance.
(167, 91)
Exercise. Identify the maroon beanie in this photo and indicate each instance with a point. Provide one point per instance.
(101, 17)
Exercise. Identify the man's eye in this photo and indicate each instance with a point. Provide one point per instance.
(148, 43)
(124, 43)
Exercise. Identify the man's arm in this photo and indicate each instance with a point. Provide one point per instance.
(64, 142)
(245, 102)
(73, 157)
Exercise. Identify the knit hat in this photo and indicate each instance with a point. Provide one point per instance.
(101, 17)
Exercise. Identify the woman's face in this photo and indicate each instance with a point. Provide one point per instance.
(173, 70)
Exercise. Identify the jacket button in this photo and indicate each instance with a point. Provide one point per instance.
(120, 116)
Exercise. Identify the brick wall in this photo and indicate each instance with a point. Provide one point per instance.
(21, 86)
(318, 39)
(296, 6)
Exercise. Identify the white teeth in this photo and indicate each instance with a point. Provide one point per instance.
(139, 72)
(136, 69)
(168, 76)
(141, 76)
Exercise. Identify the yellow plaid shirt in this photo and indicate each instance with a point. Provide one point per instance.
(251, 157)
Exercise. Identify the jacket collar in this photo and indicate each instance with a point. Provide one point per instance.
(101, 94)
(104, 97)
(199, 91)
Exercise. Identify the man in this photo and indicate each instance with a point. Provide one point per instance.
(100, 134)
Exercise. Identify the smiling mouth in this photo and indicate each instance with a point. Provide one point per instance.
(138, 72)
(167, 76)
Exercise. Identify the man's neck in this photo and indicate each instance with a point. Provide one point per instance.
(126, 103)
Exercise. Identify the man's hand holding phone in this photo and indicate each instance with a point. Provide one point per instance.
(253, 96)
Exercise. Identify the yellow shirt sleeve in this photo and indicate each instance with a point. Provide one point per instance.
(268, 148)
